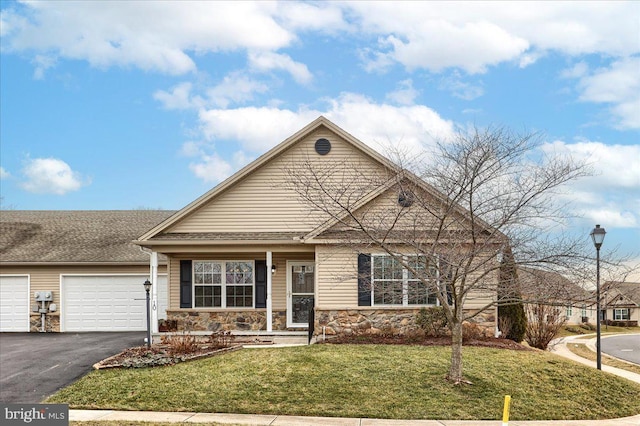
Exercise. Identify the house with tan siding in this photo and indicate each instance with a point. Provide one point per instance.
(621, 303)
(249, 256)
(77, 271)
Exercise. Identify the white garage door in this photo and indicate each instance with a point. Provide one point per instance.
(107, 302)
(14, 303)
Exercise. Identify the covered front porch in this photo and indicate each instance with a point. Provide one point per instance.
(266, 294)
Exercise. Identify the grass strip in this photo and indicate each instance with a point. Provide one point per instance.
(583, 351)
(376, 381)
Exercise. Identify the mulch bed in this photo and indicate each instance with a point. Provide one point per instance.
(369, 339)
(158, 355)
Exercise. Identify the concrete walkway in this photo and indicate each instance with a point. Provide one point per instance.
(273, 420)
(559, 346)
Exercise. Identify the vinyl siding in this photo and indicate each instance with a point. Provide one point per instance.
(261, 203)
(47, 278)
(279, 283)
(337, 278)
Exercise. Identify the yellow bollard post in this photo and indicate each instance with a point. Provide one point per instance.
(505, 412)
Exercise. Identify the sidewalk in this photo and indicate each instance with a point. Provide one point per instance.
(273, 420)
(559, 347)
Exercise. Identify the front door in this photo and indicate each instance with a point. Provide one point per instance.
(300, 293)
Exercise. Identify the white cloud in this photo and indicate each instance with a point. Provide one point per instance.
(179, 97)
(475, 35)
(4, 174)
(255, 130)
(149, 35)
(405, 94)
(42, 64)
(236, 88)
(212, 168)
(375, 124)
(51, 176)
(612, 194)
(267, 61)
(167, 36)
(459, 88)
(618, 85)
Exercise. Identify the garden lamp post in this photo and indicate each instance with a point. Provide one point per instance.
(597, 235)
(147, 288)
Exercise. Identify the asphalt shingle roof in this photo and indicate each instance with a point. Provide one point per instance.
(75, 236)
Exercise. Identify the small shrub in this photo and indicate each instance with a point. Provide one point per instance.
(221, 339)
(576, 330)
(180, 344)
(432, 321)
(587, 326)
(471, 331)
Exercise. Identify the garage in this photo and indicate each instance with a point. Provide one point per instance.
(107, 302)
(14, 303)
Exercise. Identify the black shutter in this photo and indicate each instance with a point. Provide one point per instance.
(364, 279)
(185, 284)
(261, 284)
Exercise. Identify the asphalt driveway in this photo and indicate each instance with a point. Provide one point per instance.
(35, 365)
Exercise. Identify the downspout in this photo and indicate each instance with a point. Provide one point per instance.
(153, 275)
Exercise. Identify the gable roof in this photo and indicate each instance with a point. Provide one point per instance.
(321, 121)
(547, 286)
(626, 293)
(75, 236)
(166, 233)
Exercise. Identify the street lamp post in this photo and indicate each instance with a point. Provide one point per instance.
(147, 288)
(597, 235)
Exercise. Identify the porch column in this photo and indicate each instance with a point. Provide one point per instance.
(269, 280)
(154, 292)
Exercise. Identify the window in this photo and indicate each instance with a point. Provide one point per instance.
(583, 311)
(621, 314)
(569, 311)
(215, 289)
(393, 284)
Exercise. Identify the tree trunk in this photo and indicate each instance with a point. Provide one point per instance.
(455, 371)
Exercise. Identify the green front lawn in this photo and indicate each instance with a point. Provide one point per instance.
(379, 381)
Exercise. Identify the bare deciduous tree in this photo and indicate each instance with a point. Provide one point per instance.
(444, 223)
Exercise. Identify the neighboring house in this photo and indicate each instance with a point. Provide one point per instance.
(621, 302)
(549, 288)
(250, 256)
(85, 262)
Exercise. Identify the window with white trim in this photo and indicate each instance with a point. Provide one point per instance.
(621, 314)
(223, 284)
(393, 284)
(583, 311)
(569, 311)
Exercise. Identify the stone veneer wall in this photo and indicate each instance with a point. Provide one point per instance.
(374, 321)
(227, 320)
(51, 323)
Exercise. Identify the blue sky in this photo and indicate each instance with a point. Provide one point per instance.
(123, 105)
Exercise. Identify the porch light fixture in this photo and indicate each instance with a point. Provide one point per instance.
(147, 288)
(273, 268)
(597, 235)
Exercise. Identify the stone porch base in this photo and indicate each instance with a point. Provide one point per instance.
(377, 320)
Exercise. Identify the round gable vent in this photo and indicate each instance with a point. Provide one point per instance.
(323, 146)
(405, 199)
